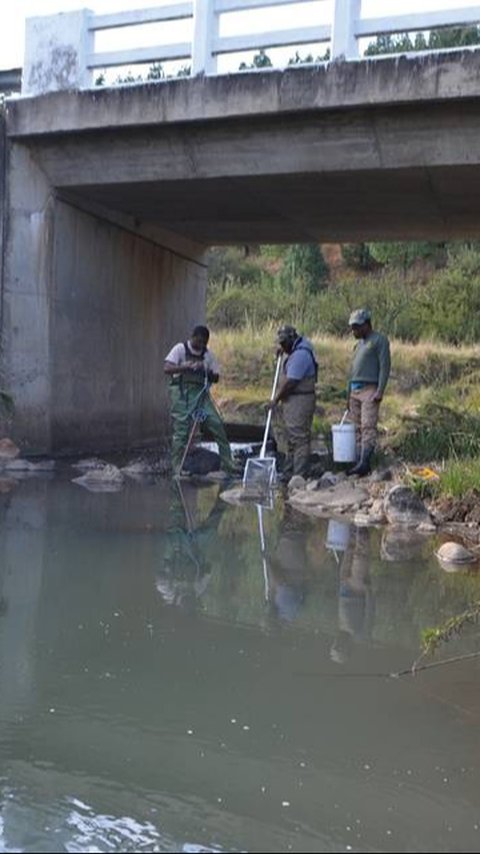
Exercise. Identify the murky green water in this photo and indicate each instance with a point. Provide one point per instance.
(163, 688)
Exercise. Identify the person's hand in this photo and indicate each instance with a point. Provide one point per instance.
(378, 396)
(193, 366)
(270, 405)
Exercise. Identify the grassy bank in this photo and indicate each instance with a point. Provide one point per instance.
(430, 411)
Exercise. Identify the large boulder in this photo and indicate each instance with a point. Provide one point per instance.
(403, 507)
(453, 556)
(146, 466)
(339, 499)
(107, 479)
(201, 461)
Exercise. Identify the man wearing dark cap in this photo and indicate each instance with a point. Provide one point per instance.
(191, 368)
(296, 396)
(368, 377)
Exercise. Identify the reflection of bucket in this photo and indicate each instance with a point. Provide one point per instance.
(338, 535)
(344, 450)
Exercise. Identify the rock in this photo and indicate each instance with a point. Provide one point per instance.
(89, 464)
(455, 554)
(312, 485)
(107, 479)
(327, 480)
(427, 527)
(141, 467)
(340, 498)
(381, 475)
(403, 507)
(362, 519)
(297, 482)
(8, 449)
(240, 494)
(217, 476)
(201, 461)
(377, 510)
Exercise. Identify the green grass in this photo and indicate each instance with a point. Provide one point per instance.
(431, 408)
(459, 477)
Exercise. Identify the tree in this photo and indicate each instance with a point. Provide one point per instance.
(437, 40)
(305, 262)
(358, 256)
(260, 60)
(403, 255)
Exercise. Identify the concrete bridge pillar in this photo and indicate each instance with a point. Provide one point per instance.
(90, 304)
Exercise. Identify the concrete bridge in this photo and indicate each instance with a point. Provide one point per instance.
(112, 195)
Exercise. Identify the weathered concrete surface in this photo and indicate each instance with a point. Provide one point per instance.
(381, 149)
(57, 58)
(90, 308)
(384, 81)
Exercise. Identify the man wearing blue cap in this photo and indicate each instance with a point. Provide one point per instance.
(368, 377)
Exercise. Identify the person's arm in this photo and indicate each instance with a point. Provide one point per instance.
(175, 362)
(384, 363)
(171, 368)
(285, 390)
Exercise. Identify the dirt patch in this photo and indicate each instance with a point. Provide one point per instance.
(465, 509)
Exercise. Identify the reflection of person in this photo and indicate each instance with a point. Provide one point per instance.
(288, 567)
(190, 366)
(185, 571)
(369, 376)
(355, 600)
(296, 394)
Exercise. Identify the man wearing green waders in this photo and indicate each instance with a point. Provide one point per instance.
(191, 368)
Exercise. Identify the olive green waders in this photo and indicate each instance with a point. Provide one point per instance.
(183, 401)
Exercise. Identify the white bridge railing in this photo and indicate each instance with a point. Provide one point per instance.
(60, 49)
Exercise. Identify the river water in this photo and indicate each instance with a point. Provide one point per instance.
(166, 687)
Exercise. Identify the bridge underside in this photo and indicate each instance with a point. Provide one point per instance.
(112, 198)
(392, 204)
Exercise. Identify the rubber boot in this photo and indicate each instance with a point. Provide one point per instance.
(363, 466)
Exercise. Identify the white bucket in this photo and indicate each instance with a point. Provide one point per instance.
(344, 450)
(338, 535)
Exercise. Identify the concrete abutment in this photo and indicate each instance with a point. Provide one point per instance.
(90, 306)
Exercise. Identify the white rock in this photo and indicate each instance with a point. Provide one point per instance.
(297, 482)
(107, 479)
(89, 464)
(217, 476)
(16, 465)
(454, 553)
(427, 528)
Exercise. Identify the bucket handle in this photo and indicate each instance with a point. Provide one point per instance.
(344, 416)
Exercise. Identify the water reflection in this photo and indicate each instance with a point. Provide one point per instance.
(356, 601)
(175, 678)
(185, 570)
(290, 574)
